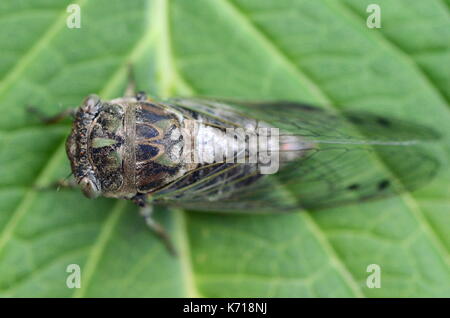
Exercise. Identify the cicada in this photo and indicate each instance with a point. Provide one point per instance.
(166, 153)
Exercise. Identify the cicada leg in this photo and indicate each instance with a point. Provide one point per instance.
(57, 185)
(141, 96)
(49, 120)
(146, 210)
(130, 91)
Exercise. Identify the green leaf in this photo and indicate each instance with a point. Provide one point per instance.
(319, 52)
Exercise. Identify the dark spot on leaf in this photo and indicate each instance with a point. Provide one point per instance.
(353, 187)
(383, 184)
(383, 121)
(309, 108)
(355, 119)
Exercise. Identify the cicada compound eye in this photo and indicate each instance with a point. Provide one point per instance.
(90, 103)
(89, 188)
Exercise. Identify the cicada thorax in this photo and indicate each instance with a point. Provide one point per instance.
(158, 147)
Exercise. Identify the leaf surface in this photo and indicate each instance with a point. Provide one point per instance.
(318, 52)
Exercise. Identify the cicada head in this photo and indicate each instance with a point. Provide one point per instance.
(95, 147)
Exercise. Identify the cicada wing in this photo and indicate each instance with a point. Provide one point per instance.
(353, 157)
(318, 124)
(229, 188)
(324, 178)
(337, 176)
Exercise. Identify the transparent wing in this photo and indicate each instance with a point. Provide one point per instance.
(317, 124)
(356, 157)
